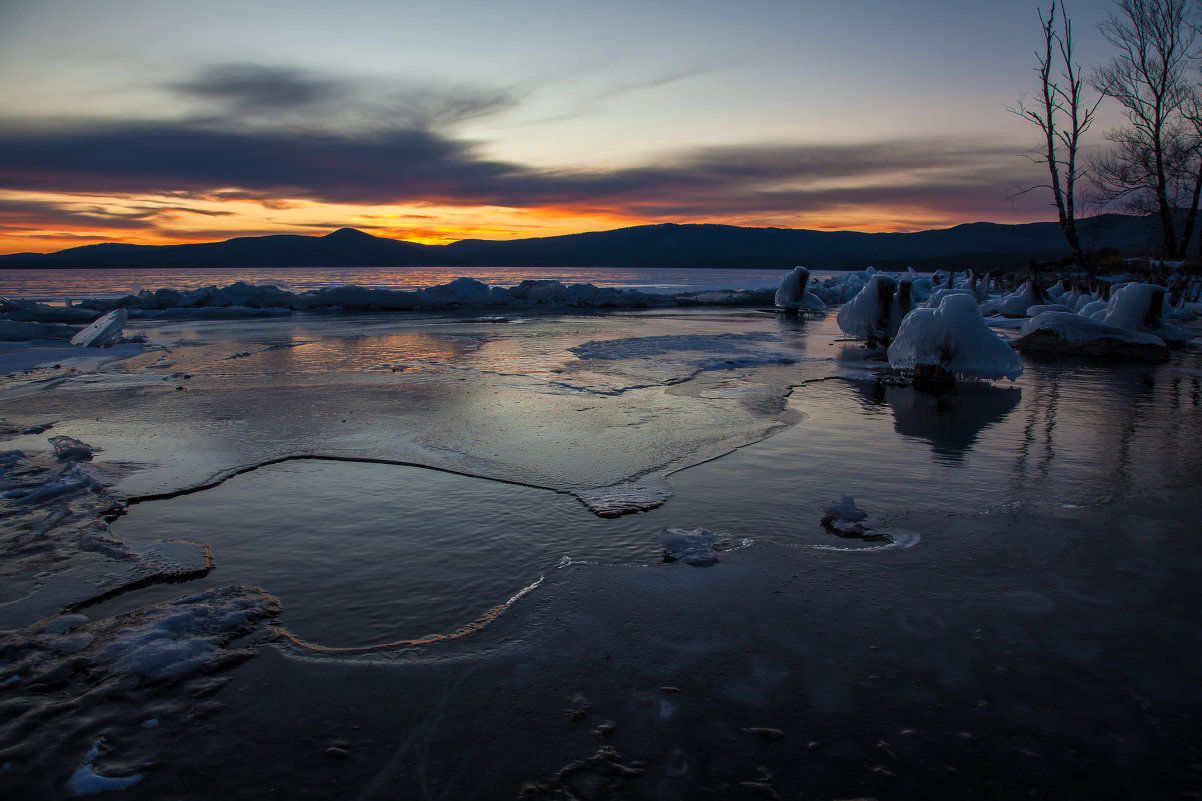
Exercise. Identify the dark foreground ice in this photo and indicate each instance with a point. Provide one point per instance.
(1027, 630)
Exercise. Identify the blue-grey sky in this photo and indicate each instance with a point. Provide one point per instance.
(161, 121)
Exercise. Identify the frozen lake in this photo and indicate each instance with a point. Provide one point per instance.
(394, 477)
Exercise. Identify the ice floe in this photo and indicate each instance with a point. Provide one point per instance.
(692, 546)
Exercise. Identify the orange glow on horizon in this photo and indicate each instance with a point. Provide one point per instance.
(44, 223)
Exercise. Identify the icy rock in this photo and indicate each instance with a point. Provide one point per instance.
(102, 332)
(693, 547)
(1065, 332)
(793, 293)
(71, 448)
(953, 338)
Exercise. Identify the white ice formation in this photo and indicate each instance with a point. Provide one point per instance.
(955, 339)
(1065, 332)
(877, 310)
(1017, 303)
(101, 332)
(794, 294)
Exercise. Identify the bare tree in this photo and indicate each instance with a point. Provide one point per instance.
(1156, 164)
(1063, 117)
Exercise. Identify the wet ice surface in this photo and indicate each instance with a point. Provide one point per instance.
(996, 483)
(364, 554)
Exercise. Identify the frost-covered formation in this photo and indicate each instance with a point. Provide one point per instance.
(954, 339)
(844, 516)
(793, 292)
(693, 547)
(1017, 303)
(1140, 307)
(1065, 332)
(877, 310)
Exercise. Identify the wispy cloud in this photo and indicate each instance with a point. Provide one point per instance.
(404, 149)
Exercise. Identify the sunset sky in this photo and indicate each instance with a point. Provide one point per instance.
(154, 122)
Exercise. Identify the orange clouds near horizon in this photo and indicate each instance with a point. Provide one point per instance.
(45, 223)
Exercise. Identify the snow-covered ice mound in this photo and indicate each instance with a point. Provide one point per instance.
(1017, 303)
(876, 312)
(1140, 307)
(794, 293)
(955, 339)
(1065, 332)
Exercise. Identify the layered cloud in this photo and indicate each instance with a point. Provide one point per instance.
(278, 135)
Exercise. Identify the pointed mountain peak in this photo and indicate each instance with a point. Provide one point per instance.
(348, 233)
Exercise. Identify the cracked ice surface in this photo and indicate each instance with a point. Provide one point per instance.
(603, 406)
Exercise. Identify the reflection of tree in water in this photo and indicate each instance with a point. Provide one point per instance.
(1106, 429)
(950, 420)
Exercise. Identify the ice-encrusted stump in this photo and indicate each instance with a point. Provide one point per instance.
(1068, 333)
(693, 547)
(953, 340)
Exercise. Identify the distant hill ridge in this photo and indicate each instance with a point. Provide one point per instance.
(980, 245)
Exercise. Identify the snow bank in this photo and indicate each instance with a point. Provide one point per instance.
(954, 338)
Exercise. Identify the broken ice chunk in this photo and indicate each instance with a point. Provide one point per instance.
(102, 331)
(71, 448)
(693, 547)
(843, 515)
